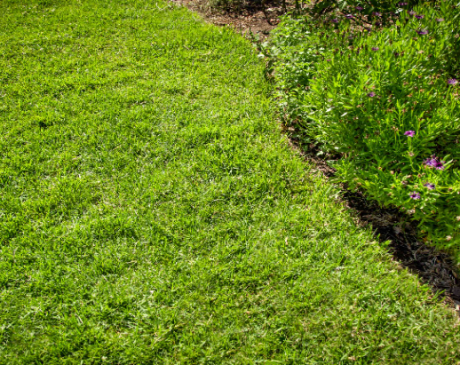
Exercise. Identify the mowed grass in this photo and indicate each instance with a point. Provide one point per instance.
(152, 212)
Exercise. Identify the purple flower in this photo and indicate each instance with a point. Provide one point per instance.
(434, 162)
(439, 20)
(371, 94)
(402, 4)
(430, 186)
(409, 133)
(412, 12)
(359, 8)
(452, 81)
(375, 48)
(430, 161)
(349, 16)
(422, 32)
(439, 165)
(376, 13)
(335, 20)
(419, 16)
(415, 195)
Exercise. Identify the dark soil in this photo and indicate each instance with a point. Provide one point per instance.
(434, 267)
(258, 20)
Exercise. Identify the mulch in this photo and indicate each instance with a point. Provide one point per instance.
(255, 20)
(434, 267)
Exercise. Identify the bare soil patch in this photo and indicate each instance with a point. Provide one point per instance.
(259, 21)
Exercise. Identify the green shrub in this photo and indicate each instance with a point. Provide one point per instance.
(386, 101)
(368, 8)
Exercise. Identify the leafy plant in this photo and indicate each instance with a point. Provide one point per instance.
(387, 101)
(362, 10)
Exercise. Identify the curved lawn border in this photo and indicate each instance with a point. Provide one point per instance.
(152, 211)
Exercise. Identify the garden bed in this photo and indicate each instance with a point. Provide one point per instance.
(434, 267)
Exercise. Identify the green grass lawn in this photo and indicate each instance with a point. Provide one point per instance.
(152, 212)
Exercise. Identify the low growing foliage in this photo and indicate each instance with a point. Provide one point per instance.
(386, 100)
(371, 9)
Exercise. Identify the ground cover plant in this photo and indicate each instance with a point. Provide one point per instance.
(386, 100)
(152, 212)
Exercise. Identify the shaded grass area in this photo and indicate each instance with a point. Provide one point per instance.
(152, 212)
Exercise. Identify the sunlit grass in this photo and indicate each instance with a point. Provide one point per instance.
(152, 212)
